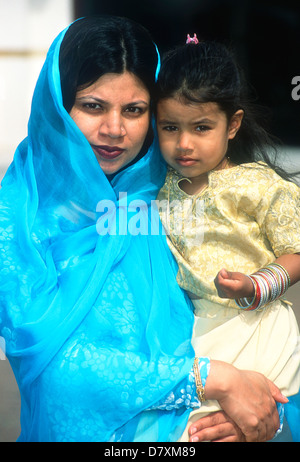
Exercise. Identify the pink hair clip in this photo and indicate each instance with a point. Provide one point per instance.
(192, 40)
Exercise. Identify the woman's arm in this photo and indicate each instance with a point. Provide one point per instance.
(248, 398)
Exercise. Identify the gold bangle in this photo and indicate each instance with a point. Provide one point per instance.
(199, 386)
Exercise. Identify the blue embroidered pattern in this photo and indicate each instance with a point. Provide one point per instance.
(71, 379)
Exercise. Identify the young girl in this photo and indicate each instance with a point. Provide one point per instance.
(233, 220)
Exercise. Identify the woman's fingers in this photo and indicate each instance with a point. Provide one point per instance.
(276, 393)
(216, 427)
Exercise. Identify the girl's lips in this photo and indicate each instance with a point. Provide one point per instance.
(186, 161)
(108, 152)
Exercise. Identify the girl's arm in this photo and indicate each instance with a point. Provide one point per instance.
(237, 285)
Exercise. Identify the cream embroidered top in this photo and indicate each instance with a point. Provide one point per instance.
(246, 217)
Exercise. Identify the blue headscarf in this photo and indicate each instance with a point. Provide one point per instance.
(94, 323)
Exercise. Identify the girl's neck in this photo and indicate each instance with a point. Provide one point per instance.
(195, 185)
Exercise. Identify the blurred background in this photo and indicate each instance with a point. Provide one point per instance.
(265, 35)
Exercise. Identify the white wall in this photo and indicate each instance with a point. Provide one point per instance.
(27, 29)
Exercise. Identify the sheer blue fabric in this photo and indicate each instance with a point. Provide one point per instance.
(292, 414)
(96, 329)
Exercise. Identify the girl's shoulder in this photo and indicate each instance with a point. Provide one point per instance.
(252, 179)
(253, 174)
(259, 170)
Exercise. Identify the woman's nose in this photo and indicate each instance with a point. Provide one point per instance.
(112, 126)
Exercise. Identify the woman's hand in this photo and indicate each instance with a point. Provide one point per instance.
(216, 427)
(233, 285)
(247, 397)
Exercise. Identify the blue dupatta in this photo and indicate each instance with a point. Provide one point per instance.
(96, 329)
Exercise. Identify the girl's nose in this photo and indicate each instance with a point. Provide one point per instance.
(112, 126)
(184, 142)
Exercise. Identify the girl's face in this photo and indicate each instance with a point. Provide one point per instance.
(194, 137)
(114, 115)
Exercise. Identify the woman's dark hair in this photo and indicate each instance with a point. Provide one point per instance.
(96, 45)
(207, 72)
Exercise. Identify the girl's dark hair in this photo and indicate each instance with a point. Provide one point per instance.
(96, 45)
(207, 72)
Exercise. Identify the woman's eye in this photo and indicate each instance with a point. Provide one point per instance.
(92, 106)
(134, 110)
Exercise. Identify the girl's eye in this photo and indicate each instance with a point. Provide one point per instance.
(202, 128)
(170, 128)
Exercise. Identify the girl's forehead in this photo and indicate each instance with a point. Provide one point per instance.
(183, 108)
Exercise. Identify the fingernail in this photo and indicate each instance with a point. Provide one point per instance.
(193, 430)
(195, 439)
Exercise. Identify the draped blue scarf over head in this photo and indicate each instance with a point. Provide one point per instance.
(96, 329)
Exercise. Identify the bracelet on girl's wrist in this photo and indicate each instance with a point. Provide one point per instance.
(270, 283)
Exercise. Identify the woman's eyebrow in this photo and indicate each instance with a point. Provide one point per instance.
(90, 97)
(102, 101)
(135, 103)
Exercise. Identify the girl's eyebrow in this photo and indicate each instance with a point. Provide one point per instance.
(166, 122)
(197, 122)
(204, 121)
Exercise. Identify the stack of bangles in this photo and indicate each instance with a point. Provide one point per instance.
(270, 283)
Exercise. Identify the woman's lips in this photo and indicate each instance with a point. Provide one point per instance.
(108, 152)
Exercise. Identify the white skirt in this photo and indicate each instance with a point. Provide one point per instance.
(264, 341)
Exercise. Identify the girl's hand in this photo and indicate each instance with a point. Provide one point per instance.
(247, 397)
(233, 285)
(216, 427)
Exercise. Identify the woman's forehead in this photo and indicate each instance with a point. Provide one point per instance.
(117, 88)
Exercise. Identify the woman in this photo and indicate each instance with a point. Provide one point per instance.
(84, 309)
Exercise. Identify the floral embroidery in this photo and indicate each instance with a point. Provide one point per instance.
(82, 364)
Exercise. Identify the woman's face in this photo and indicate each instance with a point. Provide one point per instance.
(114, 115)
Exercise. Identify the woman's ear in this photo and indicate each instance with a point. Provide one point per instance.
(235, 123)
